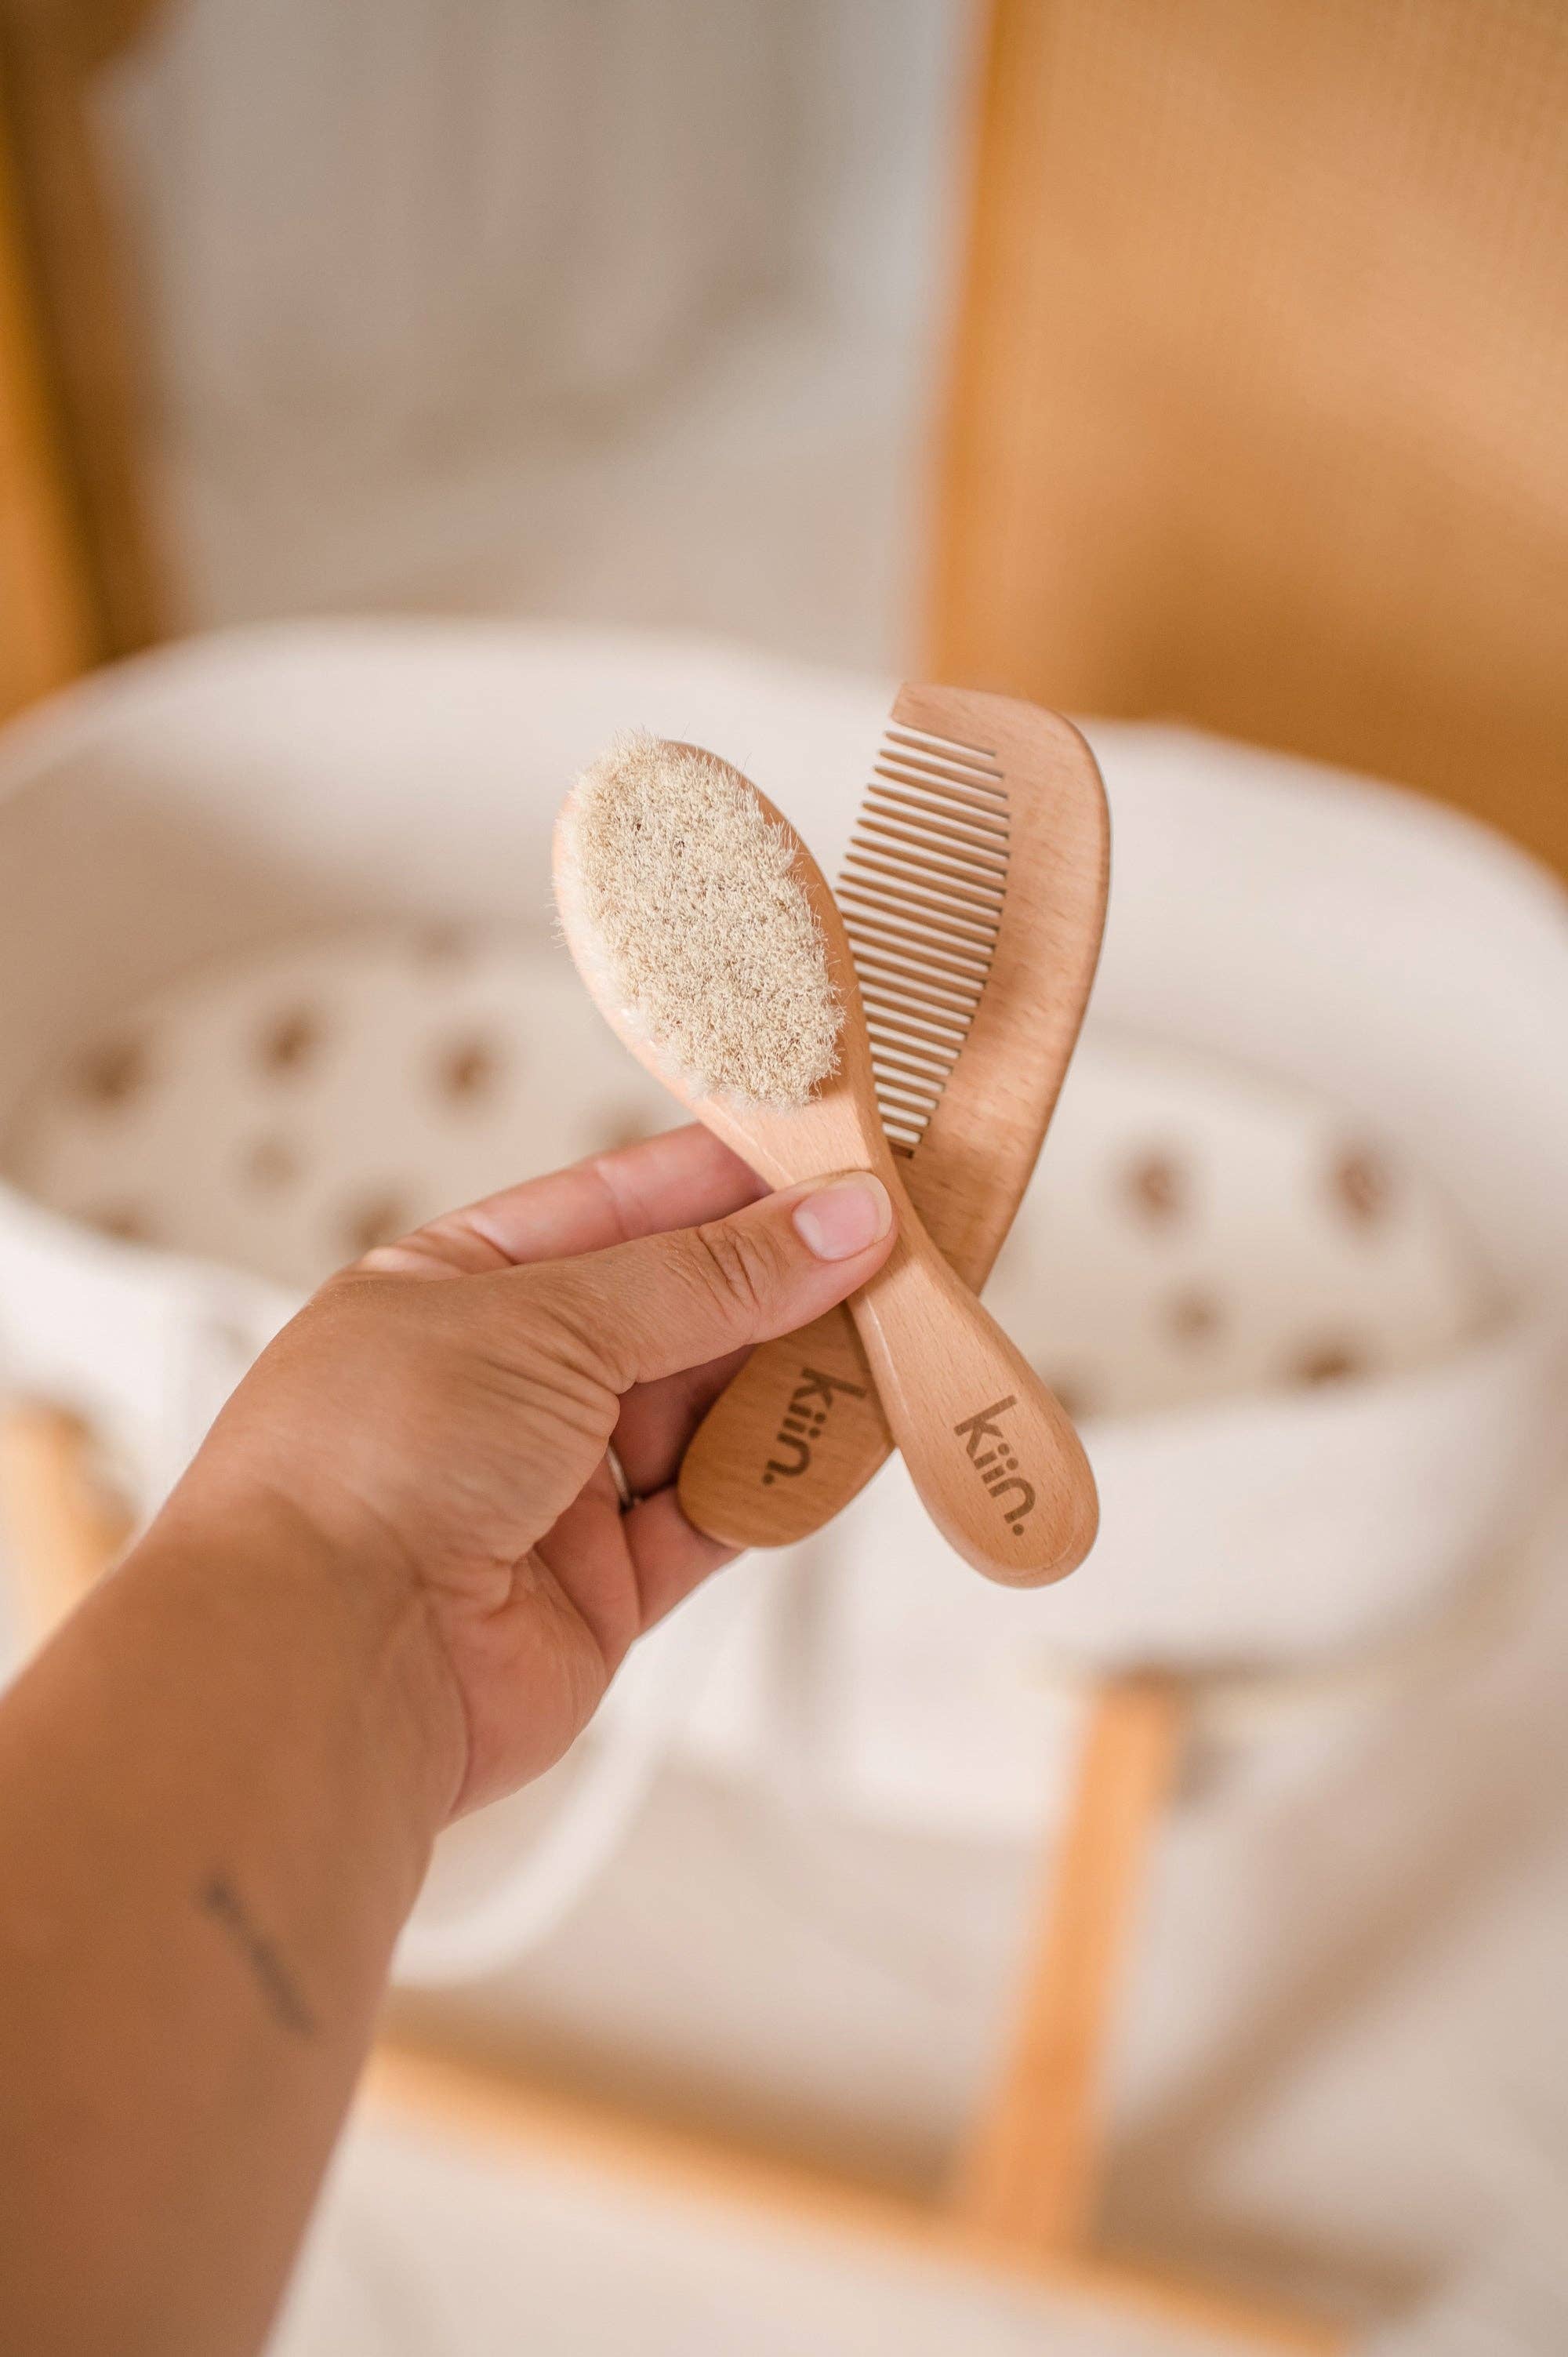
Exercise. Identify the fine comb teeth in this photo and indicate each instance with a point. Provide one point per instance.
(921, 891)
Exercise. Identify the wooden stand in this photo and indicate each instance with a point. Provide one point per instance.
(1185, 473)
(48, 633)
(1031, 2175)
(83, 576)
(1028, 2185)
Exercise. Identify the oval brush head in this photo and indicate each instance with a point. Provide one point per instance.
(706, 938)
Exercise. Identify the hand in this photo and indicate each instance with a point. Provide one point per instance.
(439, 1413)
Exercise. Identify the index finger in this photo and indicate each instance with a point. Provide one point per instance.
(675, 1180)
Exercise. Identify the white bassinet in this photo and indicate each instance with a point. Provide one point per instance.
(277, 977)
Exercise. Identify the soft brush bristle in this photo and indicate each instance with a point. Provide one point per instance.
(704, 930)
(921, 889)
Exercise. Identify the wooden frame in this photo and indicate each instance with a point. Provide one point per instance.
(509, 2114)
(1257, 401)
(1025, 2203)
(1032, 2175)
(47, 632)
(81, 575)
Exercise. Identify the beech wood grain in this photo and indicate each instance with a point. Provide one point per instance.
(996, 1462)
(800, 1429)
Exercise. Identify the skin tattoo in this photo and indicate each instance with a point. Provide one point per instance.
(218, 1899)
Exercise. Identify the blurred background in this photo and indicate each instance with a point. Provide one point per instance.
(627, 312)
(1200, 361)
(1191, 365)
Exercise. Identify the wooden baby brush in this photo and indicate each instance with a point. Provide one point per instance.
(973, 897)
(711, 942)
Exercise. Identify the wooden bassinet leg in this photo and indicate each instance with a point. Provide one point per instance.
(45, 617)
(1031, 2177)
(61, 1528)
(81, 343)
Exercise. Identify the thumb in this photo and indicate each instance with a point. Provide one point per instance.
(669, 1302)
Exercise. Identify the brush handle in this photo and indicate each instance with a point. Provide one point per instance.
(998, 1467)
(800, 1431)
(913, 1362)
(796, 1435)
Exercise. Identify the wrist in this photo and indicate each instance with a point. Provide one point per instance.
(308, 1602)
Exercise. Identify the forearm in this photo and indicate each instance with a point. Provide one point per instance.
(218, 1790)
(396, 1582)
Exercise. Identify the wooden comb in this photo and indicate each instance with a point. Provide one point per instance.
(973, 895)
